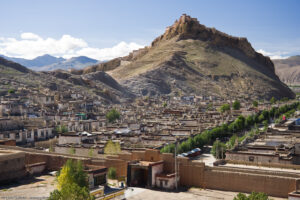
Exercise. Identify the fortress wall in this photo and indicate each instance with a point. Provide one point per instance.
(53, 162)
(295, 174)
(191, 173)
(274, 165)
(138, 155)
(152, 155)
(168, 159)
(248, 182)
(120, 165)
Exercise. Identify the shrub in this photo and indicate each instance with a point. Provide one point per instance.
(255, 103)
(218, 149)
(72, 183)
(236, 105)
(112, 115)
(252, 196)
(112, 173)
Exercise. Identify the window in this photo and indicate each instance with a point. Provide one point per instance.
(29, 135)
(42, 133)
(35, 133)
(166, 182)
(17, 135)
(251, 158)
(6, 135)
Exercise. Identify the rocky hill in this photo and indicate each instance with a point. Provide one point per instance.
(190, 58)
(288, 70)
(97, 85)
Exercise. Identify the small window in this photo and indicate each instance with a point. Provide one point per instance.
(42, 133)
(17, 135)
(29, 135)
(166, 182)
(251, 158)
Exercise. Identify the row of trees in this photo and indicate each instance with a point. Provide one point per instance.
(227, 130)
(236, 105)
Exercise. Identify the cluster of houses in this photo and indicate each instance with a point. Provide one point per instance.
(278, 147)
(144, 123)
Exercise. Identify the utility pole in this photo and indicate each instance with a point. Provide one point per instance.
(176, 184)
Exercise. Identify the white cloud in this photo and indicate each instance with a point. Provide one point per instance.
(121, 49)
(30, 36)
(274, 55)
(32, 45)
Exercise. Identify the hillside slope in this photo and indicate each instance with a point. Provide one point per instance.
(288, 70)
(97, 85)
(190, 58)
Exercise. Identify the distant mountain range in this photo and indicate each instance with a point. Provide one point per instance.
(51, 63)
(288, 69)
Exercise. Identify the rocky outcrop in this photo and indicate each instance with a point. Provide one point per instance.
(189, 28)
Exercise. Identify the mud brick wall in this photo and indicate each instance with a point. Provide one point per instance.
(219, 179)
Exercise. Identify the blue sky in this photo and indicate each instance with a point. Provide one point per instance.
(113, 28)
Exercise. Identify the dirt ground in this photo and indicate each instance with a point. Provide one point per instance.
(36, 188)
(191, 194)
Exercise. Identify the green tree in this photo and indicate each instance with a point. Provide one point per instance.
(224, 108)
(11, 91)
(236, 105)
(72, 150)
(255, 103)
(218, 149)
(72, 183)
(284, 99)
(265, 123)
(61, 129)
(91, 152)
(112, 147)
(210, 106)
(112, 115)
(165, 104)
(232, 142)
(112, 173)
(273, 100)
